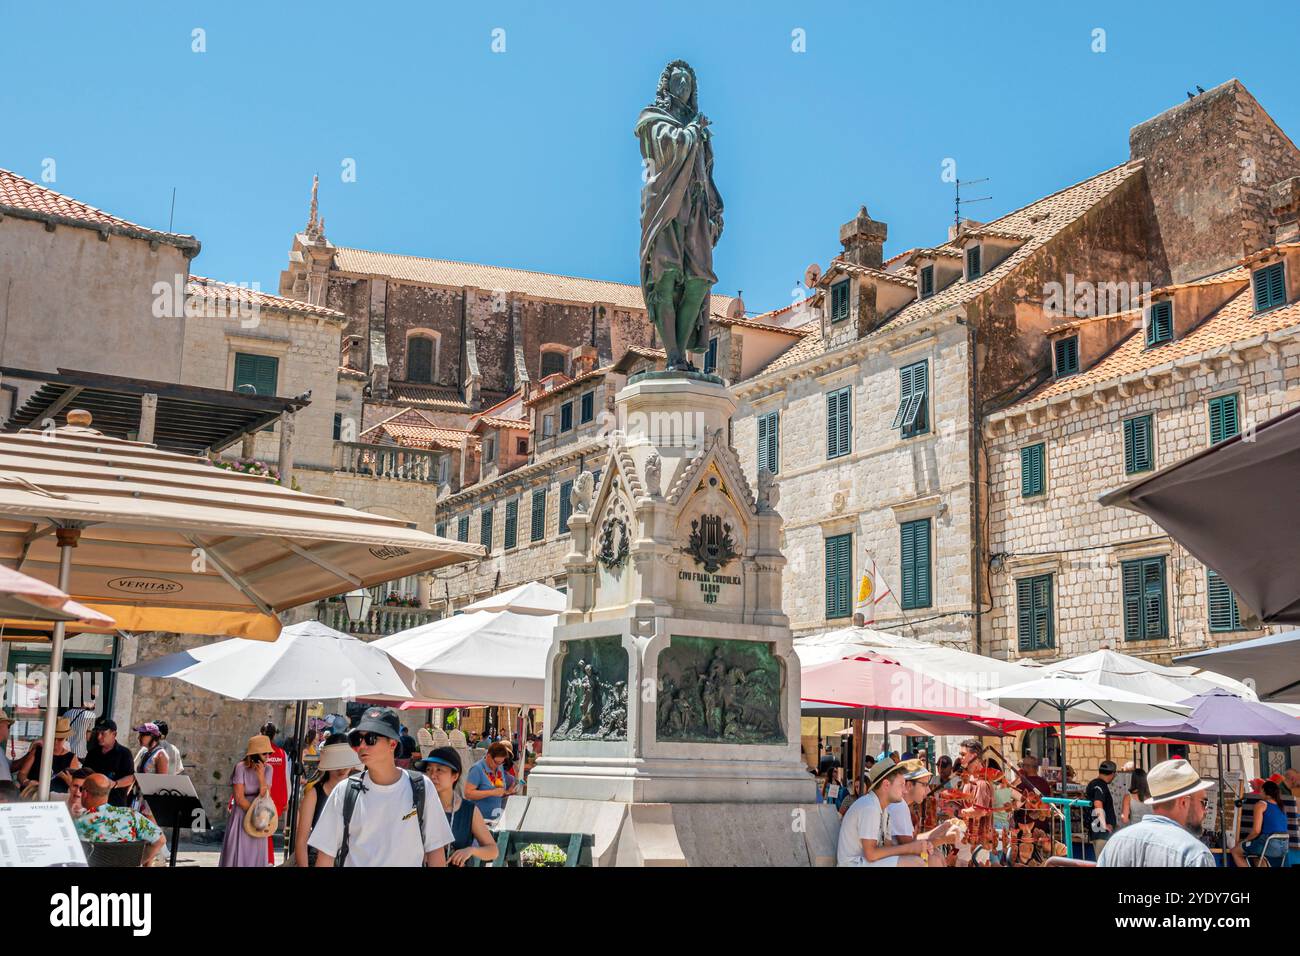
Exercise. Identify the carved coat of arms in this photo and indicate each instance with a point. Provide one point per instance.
(710, 543)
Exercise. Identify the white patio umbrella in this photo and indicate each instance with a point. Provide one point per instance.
(1126, 672)
(489, 657)
(531, 598)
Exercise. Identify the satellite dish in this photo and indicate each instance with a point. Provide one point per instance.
(811, 275)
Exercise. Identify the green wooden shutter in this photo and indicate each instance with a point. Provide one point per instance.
(1225, 422)
(1067, 356)
(1160, 322)
(485, 529)
(1153, 598)
(905, 386)
(539, 514)
(839, 571)
(1025, 614)
(462, 528)
(927, 281)
(566, 416)
(1033, 477)
(1131, 572)
(512, 523)
(769, 441)
(838, 426)
(588, 407)
(972, 263)
(1139, 453)
(1270, 286)
(1044, 631)
(566, 506)
(840, 300)
(259, 371)
(441, 529)
(1224, 613)
(916, 421)
(915, 549)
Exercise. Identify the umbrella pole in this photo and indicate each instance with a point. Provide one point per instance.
(1223, 842)
(299, 731)
(1069, 844)
(67, 538)
(862, 753)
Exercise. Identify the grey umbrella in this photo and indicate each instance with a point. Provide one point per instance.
(1234, 507)
(1271, 664)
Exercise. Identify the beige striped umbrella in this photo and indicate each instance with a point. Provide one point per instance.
(161, 541)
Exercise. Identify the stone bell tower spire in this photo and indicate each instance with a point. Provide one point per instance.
(310, 258)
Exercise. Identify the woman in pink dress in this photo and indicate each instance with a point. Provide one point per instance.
(250, 778)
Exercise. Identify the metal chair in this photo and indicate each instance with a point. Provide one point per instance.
(1260, 859)
(115, 854)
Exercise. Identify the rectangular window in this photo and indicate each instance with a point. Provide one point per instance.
(839, 576)
(552, 362)
(548, 426)
(1035, 628)
(1160, 322)
(539, 514)
(512, 523)
(769, 442)
(972, 263)
(927, 281)
(1067, 356)
(566, 417)
(566, 506)
(839, 432)
(256, 372)
(338, 426)
(441, 529)
(711, 356)
(588, 407)
(840, 301)
(916, 564)
(1224, 614)
(1225, 422)
(489, 449)
(462, 528)
(1270, 286)
(485, 529)
(913, 383)
(1145, 615)
(1033, 470)
(1139, 450)
(521, 446)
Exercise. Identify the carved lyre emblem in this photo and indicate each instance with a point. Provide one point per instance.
(711, 544)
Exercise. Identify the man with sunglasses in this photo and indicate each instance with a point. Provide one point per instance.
(384, 816)
(1164, 837)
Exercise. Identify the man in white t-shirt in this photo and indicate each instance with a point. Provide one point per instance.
(867, 837)
(384, 826)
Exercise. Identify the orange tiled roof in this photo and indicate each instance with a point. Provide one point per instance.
(900, 277)
(518, 424)
(755, 324)
(433, 397)
(410, 428)
(224, 293)
(564, 386)
(811, 344)
(1235, 321)
(28, 200)
(542, 285)
(634, 352)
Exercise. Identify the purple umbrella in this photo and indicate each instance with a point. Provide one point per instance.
(1219, 718)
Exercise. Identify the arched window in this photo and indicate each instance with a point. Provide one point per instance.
(421, 361)
(552, 362)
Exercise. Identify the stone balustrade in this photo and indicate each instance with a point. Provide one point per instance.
(392, 462)
(380, 622)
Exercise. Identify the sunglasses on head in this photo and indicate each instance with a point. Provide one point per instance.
(369, 738)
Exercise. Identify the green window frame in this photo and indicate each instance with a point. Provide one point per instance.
(512, 523)
(566, 417)
(1139, 444)
(839, 423)
(839, 576)
(538, 530)
(1067, 356)
(440, 529)
(973, 263)
(1035, 623)
(1224, 613)
(485, 529)
(915, 554)
(1033, 470)
(462, 528)
(711, 356)
(1160, 322)
(588, 407)
(1225, 418)
(566, 506)
(1146, 614)
(927, 282)
(840, 301)
(769, 442)
(1270, 286)
(911, 418)
(262, 372)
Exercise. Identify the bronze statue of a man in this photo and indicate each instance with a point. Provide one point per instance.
(681, 215)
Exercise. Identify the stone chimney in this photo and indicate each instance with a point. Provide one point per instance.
(864, 240)
(954, 231)
(1285, 199)
(583, 359)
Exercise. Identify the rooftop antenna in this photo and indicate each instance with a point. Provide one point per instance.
(958, 202)
(171, 217)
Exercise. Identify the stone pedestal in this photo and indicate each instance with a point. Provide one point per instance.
(672, 683)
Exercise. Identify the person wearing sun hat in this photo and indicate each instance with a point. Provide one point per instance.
(1164, 836)
(337, 761)
(866, 837)
(28, 769)
(250, 779)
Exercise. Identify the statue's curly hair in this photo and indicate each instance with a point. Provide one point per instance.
(663, 99)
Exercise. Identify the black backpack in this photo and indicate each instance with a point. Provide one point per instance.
(355, 786)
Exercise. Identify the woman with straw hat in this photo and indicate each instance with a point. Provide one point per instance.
(866, 838)
(337, 762)
(250, 779)
(65, 761)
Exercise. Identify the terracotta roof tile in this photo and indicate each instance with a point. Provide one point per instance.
(23, 198)
(410, 428)
(223, 293)
(433, 397)
(542, 285)
(811, 344)
(565, 386)
(518, 424)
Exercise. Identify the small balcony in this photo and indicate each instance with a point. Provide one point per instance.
(380, 622)
(391, 462)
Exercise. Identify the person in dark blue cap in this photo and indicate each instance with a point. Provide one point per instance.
(471, 838)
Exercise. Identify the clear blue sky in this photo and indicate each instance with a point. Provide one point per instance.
(526, 158)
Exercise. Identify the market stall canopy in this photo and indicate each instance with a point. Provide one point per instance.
(308, 661)
(171, 542)
(531, 598)
(1112, 669)
(1248, 535)
(24, 598)
(1060, 697)
(882, 689)
(489, 657)
(1271, 664)
(1219, 718)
